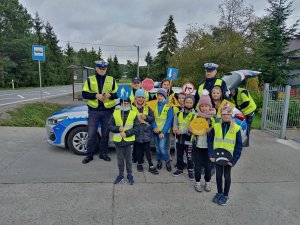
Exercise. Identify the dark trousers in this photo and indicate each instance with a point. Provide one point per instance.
(181, 149)
(124, 156)
(201, 160)
(142, 148)
(226, 171)
(94, 119)
(249, 120)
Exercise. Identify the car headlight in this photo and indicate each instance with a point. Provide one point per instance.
(54, 121)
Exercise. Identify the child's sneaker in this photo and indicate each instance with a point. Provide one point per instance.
(217, 198)
(130, 179)
(159, 165)
(207, 187)
(168, 166)
(153, 170)
(223, 200)
(191, 175)
(177, 173)
(197, 186)
(140, 167)
(119, 179)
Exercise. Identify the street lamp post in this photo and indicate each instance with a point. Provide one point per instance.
(138, 60)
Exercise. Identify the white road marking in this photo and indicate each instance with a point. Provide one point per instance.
(49, 96)
(20, 96)
(46, 93)
(1, 99)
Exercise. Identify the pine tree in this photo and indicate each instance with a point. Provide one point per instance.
(99, 53)
(38, 26)
(167, 45)
(148, 60)
(116, 67)
(275, 37)
(69, 54)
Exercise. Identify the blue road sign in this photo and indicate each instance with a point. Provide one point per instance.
(123, 92)
(38, 53)
(172, 73)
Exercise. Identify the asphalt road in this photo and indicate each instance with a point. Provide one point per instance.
(14, 97)
(41, 184)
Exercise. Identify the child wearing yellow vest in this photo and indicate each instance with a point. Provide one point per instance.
(200, 148)
(144, 131)
(123, 125)
(225, 135)
(161, 127)
(183, 137)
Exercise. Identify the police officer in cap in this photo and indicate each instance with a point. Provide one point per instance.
(210, 81)
(137, 84)
(100, 90)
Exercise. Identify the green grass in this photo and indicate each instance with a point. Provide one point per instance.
(31, 115)
(256, 121)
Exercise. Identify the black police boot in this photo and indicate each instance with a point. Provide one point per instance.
(105, 157)
(86, 160)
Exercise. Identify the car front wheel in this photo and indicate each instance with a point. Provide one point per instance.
(77, 140)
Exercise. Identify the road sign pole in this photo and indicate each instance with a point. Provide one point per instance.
(40, 76)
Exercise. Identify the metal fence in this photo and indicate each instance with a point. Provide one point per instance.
(293, 120)
(279, 110)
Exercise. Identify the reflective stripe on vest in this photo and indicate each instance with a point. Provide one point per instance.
(145, 111)
(228, 142)
(107, 88)
(162, 118)
(183, 123)
(218, 82)
(239, 101)
(132, 99)
(128, 125)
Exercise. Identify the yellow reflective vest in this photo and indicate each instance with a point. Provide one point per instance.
(162, 118)
(228, 142)
(145, 111)
(183, 123)
(132, 98)
(218, 82)
(128, 125)
(242, 97)
(107, 88)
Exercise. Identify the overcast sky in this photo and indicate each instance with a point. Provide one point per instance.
(128, 22)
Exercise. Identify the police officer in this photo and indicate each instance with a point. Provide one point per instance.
(137, 84)
(101, 92)
(210, 81)
(244, 102)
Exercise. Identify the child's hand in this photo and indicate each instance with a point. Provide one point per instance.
(230, 164)
(208, 130)
(190, 129)
(161, 136)
(212, 159)
(143, 116)
(121, 129)
(155, 130)
(123, 134)
(176, 131)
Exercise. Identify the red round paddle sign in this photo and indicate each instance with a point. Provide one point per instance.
(148, 84)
